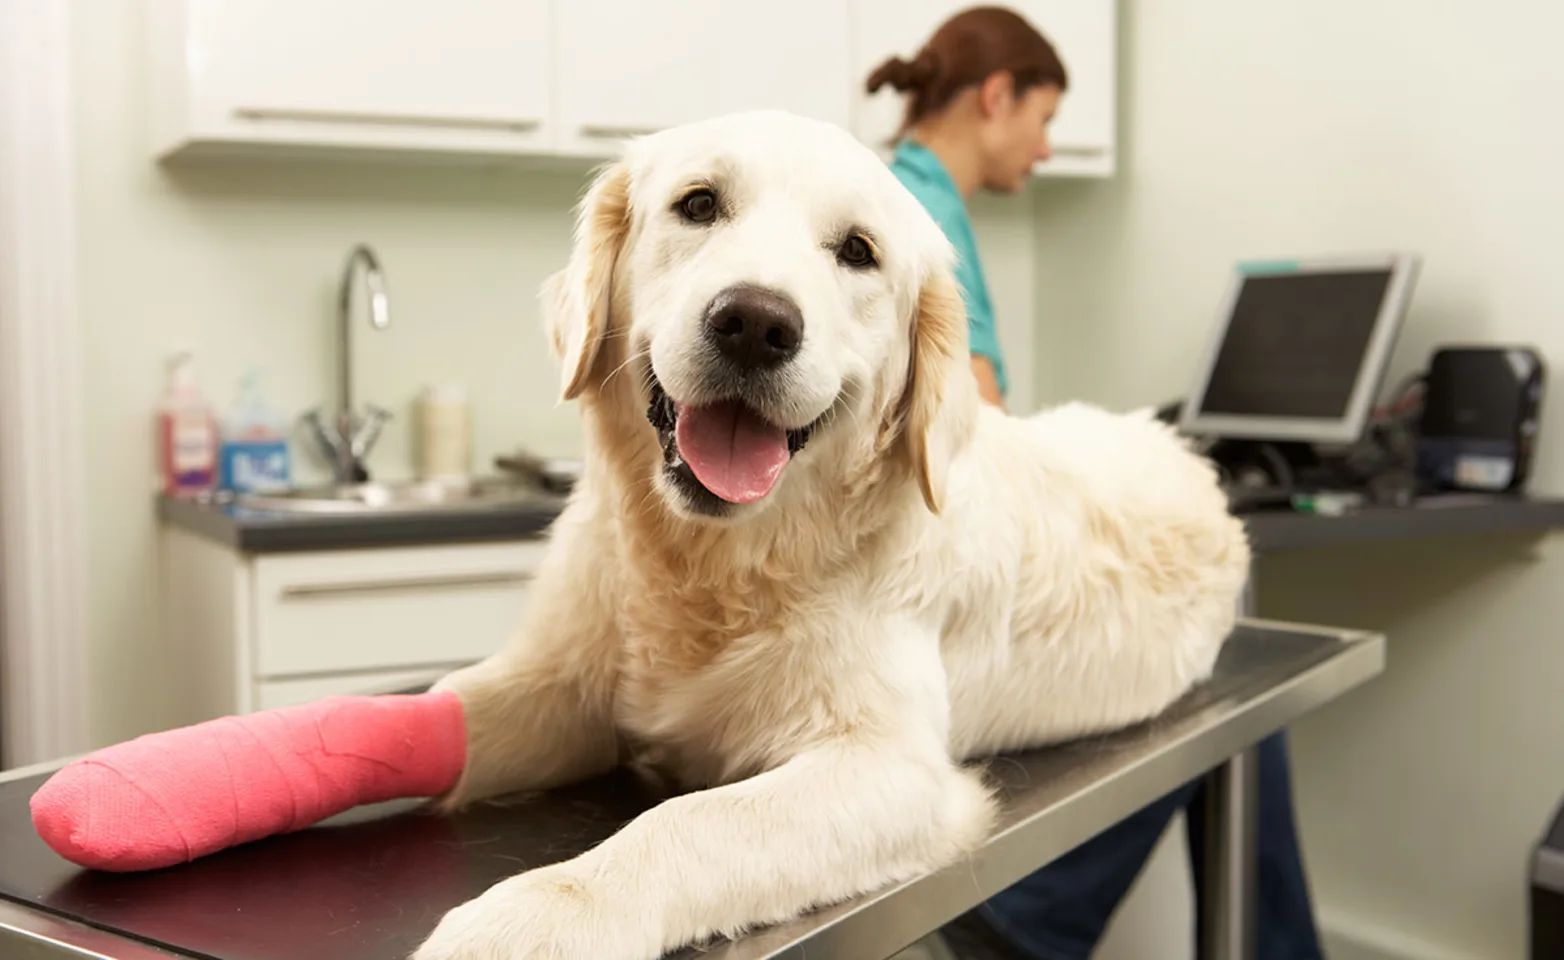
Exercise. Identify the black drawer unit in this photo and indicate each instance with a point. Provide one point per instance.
(1547, 891)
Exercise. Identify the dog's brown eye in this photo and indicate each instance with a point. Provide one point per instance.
(699, 206)
(855, 251)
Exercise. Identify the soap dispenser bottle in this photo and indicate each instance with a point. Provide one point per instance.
(254, 453)
(187, 433)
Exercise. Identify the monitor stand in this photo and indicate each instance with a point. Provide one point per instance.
(1282, 465)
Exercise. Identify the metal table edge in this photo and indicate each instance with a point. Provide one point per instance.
(33, 770)
(29, 934)
(1346, 635)
(883, 923)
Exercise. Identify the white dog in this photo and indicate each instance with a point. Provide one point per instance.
(807, 572)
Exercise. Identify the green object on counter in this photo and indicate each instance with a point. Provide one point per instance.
(1327, 504)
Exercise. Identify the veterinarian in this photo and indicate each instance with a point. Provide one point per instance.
(979, 98)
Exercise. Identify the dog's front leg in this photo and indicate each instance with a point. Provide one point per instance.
(539, 712)
(840, 820)
(878, 801)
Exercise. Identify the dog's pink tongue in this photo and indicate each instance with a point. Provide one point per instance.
(734, 453)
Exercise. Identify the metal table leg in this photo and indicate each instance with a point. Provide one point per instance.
(1229, 858)
(1228, 907)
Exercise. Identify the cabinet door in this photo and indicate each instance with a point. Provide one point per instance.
(397, 72)
(632, 68)
(1083, 31)
(1085, 34)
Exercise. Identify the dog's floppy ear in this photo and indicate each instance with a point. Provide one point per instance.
(941, 396)
(576, 299)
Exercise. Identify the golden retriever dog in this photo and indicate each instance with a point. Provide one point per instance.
(807, 574)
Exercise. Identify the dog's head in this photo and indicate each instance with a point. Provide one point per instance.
(763, 290)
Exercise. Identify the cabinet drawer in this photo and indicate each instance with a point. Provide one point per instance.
(286, 693)
(388, 609)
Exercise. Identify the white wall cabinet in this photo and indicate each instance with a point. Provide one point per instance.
(1084, 33)
(253, 632)
(625, 68)
(534, 79)
(457, 75)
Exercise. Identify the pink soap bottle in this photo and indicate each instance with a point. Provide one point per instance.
(187, 433)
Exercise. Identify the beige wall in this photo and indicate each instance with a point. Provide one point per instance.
(240, 260)
(1264, 129)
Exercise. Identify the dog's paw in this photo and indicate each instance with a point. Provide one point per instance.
(553, 913)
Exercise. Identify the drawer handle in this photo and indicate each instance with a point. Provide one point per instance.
(1079, 153)
(510, 124)
(307, 590)
(610, 132)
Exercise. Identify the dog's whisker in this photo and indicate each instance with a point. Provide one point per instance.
(648, 501)
(638, 355)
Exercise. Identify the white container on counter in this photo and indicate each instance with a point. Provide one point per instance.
(444, 433)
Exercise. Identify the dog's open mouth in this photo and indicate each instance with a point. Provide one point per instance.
(725, 449)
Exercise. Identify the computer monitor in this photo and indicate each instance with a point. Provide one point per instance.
(1300, 349)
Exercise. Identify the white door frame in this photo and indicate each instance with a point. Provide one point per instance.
(45, 702)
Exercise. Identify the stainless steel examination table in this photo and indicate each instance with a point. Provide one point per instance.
(373, 882)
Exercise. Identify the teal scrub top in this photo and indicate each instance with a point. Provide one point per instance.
(921, 172)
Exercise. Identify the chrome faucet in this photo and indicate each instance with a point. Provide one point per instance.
(348, 441)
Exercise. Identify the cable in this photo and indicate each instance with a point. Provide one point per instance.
(1400, 396)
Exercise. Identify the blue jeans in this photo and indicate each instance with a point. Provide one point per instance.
(1060, 912)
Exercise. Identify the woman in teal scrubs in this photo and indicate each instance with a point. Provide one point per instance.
(919, 168)
(980, 96)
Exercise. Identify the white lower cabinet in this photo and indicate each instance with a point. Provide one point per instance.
(256, 631)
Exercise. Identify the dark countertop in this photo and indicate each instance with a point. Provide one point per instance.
(258, 531)
(371, 883)
(262, 531)
(1433, 516)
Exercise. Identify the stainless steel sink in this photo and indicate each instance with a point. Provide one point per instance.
(404, 497)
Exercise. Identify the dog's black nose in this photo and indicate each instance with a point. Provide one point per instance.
(754, 327)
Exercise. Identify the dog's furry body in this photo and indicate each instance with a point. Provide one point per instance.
(930, 581)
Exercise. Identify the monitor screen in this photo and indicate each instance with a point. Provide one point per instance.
(1300, 349)
(1295, 344)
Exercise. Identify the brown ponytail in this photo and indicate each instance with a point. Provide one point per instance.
(966, 50)
(903, 75)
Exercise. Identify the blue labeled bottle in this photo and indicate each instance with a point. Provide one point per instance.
(254, 455)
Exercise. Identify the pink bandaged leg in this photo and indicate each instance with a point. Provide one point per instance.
(170, 797)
